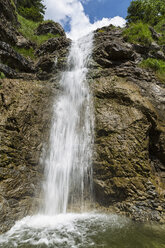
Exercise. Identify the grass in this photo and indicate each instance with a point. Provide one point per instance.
(28, 28)
(160, 28)
(27, 53)
(2, 75)
(158, 66)
(138, 33)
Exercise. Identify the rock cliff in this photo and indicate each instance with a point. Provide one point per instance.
(129, 163)
(129, 149)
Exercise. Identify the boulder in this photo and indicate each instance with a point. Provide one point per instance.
(52, 45)
(155, 35)
(22, 42)
(50, 27)
(110, 49)
(8, 72)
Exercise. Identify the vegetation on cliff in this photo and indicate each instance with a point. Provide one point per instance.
(31, 9)
(146, 26)
(148, 11)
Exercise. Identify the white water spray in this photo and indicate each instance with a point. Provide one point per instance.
(68, 164)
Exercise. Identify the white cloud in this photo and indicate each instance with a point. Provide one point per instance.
(72, 10)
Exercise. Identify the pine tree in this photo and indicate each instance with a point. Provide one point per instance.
(31, 9)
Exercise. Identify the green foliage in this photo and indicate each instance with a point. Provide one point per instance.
(2, 75)
(31, 9)
(101, 31)
(138, 33)
(148, 11)
(28, 30)
(158, 66)
(28, 53)
(31, 14)
(160, 28)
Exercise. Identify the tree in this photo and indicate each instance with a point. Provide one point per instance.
(149, 11)
(31, 9)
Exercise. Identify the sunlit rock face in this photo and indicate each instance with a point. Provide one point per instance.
(129, 159)
(25, 113)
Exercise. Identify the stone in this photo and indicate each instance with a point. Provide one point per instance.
(25, 113)
(8, 72)
(159, 208)
(14, 59)
(8, 19)
(52, 45)
(129, 145)
(22, 42)
(155, 35)
(50, 27)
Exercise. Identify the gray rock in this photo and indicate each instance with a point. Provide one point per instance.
(50, 27)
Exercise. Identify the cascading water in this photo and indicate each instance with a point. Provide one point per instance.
(68, 171)
(68, 164)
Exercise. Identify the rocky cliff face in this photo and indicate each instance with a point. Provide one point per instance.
(51, 52)
(129, 150)
(129, 163)
(25, 114)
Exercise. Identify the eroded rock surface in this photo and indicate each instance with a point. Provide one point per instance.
(25, 113)
(50, 27)
(129, 164)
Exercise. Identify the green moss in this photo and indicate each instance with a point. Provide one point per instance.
(158, 66)
(101, 31)
(138, 33)
(28, 53)
(28, 28)
(13, 4)
(2, 75)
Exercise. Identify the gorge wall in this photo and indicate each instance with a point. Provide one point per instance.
(129, 149)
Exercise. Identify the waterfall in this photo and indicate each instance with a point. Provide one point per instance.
(68, 164)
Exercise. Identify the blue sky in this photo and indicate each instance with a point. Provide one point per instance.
(71, 13)
(97, 9)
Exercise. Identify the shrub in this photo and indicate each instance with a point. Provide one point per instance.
(138, 33)
(31, 14)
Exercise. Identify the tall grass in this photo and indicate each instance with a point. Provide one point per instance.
(28, 28)
(28, 53)
(158, 66)
(160, 28)
(138, 33)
